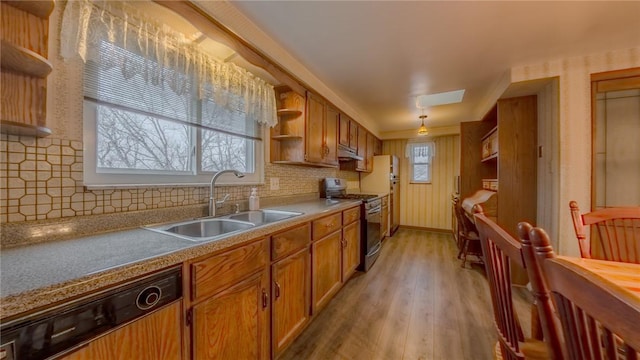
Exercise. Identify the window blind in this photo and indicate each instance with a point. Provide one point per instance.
(122, 79)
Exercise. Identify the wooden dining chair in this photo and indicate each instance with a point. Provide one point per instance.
(468, 235)
(598, 320)
(501, 251)
(616, 235)
(545, 309)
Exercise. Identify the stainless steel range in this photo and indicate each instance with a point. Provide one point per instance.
(370, 218)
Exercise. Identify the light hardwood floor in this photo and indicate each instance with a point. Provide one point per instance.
(415, 303)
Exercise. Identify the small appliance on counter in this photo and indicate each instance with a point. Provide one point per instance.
(384, 179)
(370, 218)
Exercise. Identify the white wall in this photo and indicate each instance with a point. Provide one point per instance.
(574, 130)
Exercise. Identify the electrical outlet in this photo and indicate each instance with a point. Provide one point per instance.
(275, 184)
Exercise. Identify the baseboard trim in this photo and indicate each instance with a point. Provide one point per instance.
(442, 231)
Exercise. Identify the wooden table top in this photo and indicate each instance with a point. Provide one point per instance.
(624, 275)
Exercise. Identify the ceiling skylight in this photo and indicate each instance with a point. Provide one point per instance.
(449, 97)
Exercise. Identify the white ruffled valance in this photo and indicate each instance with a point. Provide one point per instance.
(87, 24)
(419, 150)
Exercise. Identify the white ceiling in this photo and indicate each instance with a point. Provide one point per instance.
(379, 55)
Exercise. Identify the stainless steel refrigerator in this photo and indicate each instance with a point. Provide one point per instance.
(384, 180)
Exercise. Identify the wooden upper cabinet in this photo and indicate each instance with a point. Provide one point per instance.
(157, 336)
(343, 134)
(348, 134)
(314, 137)
(377, 150)
(353, 135)
(361, 165)
(321, 136)
(331, 136)
(371, 143)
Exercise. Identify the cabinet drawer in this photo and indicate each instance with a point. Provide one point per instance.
(350, 215)
(326, 225)
(290, 241)
(218, 272)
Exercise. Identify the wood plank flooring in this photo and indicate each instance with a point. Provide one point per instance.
(415, 303)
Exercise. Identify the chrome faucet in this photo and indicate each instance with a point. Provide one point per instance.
(213, 204)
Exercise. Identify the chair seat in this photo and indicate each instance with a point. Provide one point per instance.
(531, 348)
(534, 349)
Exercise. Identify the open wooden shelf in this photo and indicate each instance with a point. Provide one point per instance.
(490, 132)
(16, 128)
(286, 137)
(490, 157)
(291, 113)
(24, 61)
(39, 8)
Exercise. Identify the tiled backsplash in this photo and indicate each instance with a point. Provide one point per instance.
(42, 179)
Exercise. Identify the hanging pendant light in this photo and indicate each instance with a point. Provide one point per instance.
(422, 131)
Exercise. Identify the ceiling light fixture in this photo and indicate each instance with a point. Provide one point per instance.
(422, 131)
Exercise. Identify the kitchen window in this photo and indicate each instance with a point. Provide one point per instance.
(420, 156)
(158, 109)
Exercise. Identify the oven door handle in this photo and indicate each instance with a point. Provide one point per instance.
(376, 249)
(376, 209)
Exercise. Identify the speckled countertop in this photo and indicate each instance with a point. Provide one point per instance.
(42, 274)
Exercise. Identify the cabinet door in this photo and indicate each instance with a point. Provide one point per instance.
(327, 253)
(353, 135)
(291, 288)
(371, 143)
(350, 249)
(377, 150)
(331, 136)
(153, 337)
(361, 165)
(343, 138)
(314, 136)
(234, 324)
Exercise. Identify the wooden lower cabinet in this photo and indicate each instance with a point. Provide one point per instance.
(350, 249)
(291, 287)
(233, 324)
(230, 304)
(326, 270)
(157, 336)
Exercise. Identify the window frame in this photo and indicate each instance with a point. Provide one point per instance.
(413, 163)
(196, 177)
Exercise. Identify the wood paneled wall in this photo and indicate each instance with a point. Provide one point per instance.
(428, 205)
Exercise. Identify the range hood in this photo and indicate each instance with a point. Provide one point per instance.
(346, 154)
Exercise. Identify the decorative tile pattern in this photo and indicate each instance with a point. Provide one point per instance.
(42, 179)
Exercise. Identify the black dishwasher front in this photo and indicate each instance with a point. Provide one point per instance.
(55, 331)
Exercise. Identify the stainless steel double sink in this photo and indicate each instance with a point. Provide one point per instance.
(206, 229)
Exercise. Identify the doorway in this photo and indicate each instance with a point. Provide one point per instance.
(616, 139)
